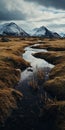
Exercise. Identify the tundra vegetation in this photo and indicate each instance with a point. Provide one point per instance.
(13, 113)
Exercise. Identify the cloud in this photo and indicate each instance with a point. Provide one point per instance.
(9, 10)
(12, 15)
(58, 4)
(34, 13)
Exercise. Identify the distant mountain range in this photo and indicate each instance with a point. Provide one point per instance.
(12, 29)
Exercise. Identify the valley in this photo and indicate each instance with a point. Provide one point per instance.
(30, 101)
(32, 64)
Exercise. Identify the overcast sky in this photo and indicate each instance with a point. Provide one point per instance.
(34, 13)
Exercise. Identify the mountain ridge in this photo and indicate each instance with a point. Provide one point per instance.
(44, 32)
(12, 29)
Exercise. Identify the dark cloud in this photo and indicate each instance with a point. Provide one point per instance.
(58, 4)
(10, 14)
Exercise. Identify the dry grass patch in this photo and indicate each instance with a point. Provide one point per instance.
(56, 87)
(8, 77)
(52, 57)
(8, 102)
(56, 84)
(37, 79)
(52, 45)
(10, 60)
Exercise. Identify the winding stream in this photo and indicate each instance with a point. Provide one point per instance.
(28, 74)
(35, 62)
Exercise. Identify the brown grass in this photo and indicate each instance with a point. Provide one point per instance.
(37, 79)
(56, 84)
(53, 114)
(11, 60)
(52, 45)
(8, 103)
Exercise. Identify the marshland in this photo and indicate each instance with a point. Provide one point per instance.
(32, 83)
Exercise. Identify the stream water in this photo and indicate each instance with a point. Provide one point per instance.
(28, 74)
(35, 62)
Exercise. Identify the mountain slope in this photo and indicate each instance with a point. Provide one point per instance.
(44, 32)
(64, 36)
(12, 29)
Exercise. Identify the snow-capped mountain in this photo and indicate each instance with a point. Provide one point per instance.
(12, 29)
(44, 32)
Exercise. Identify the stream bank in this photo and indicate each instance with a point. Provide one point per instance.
(35, 98)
